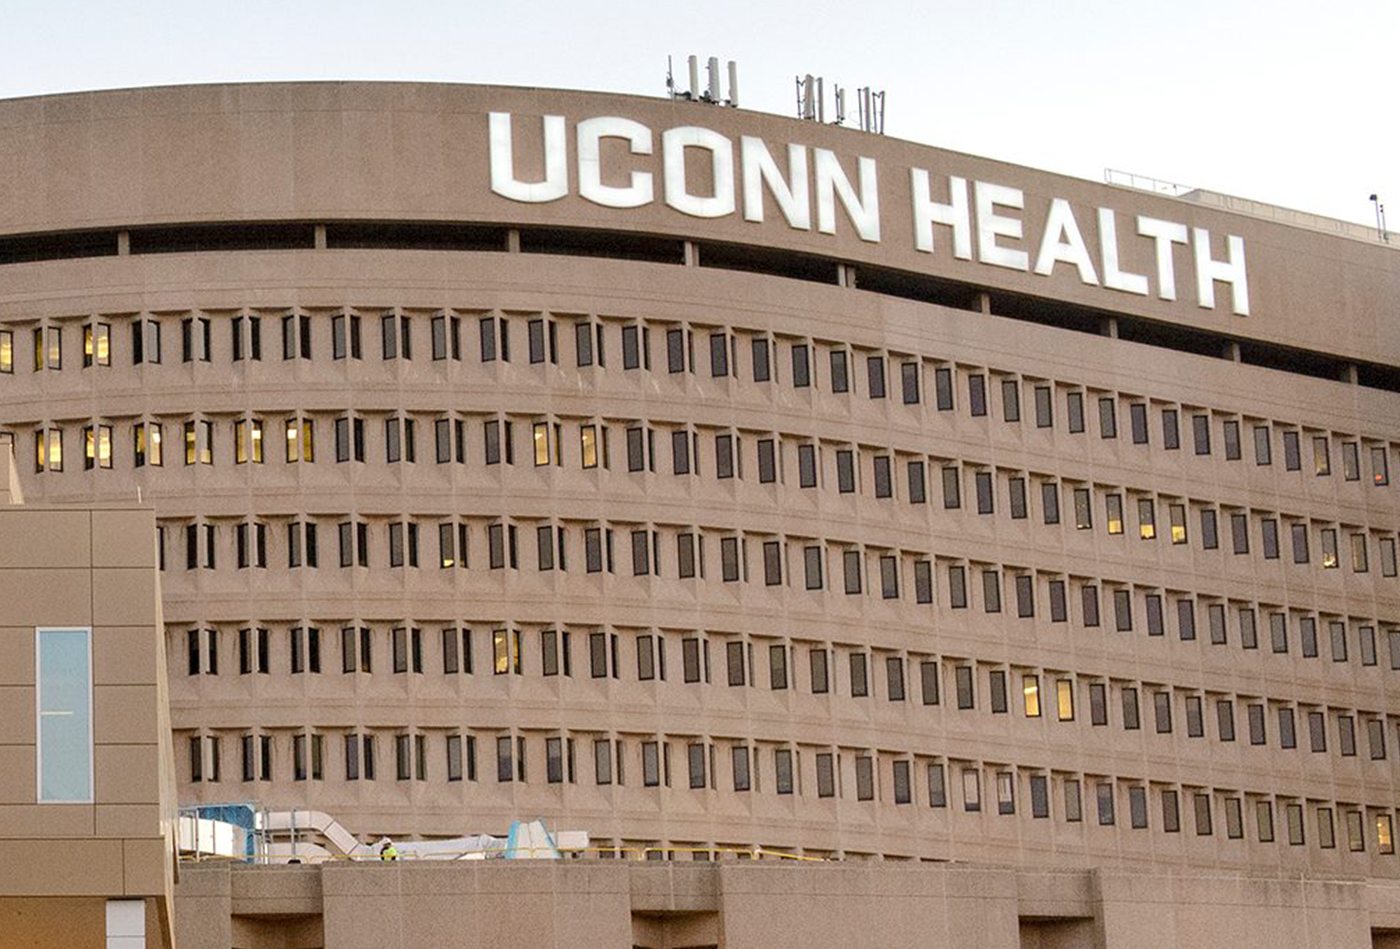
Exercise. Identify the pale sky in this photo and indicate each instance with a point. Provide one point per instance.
(1285, 101)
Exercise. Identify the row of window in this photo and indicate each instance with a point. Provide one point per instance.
(913, 678)
(848, 568)
(396, 342)
(1083, 499)
(804, 771)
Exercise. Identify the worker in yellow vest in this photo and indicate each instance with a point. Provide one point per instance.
(387, 851)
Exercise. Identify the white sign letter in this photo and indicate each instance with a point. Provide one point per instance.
(991, 225)
(1063, 242)
(674, 142)
(760, 168)
(1230, 270)
(590, 172)
(556, 162)
(863, 209)
(928, 212)
(1114, 278)
(1165, 233)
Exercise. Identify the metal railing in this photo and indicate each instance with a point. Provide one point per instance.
(638, 854)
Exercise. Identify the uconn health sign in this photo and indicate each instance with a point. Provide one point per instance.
(813, 189)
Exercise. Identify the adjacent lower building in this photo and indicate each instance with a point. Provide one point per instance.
(87, 796)
(712, 481)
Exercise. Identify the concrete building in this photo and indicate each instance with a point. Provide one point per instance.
(86, 792)
(710, 480)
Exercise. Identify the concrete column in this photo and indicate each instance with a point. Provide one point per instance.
(1232, 351)
(692, 254)
(513, 240)
(126, 924)
(1110, 327)
(984, 304)
(123, 243)
(1349, 374)
(320, 237)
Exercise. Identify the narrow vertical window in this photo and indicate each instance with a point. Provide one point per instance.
(64, 747)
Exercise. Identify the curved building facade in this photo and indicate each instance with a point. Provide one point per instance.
(702, 478)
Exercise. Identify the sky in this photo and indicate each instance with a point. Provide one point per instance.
(1282, 101)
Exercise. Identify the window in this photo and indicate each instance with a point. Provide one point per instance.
(1200, 434)
(1230, 428)
(63, 703)
(1104, 795)
(1064, 699)
(1239, 533)
(446, 337)
(1050, 501)
(1351, 461)
(739, 759)
(1074, 410)
(1011, 399)
(943, 388)
(1113, 507)
(695, 755)
(1380, 468)
(1030, 693)
(1147, 519)
(194, 340)
(97, 447)
(1329, 548)
(1108, 419)
(296, 337)
(1171, 429)
(248, 441)
(720, 356)
(1201, 806)
(301, 440)
(983, 483)
(345, 336)
(1225, 719)
(146, 444)
(1263, 445)
(860, 680)
(494, 338)
(977, 394)
(909, 382)
(962, 679)
(1083, 509)
(7, 352)
(807, 466)
(875, 375)
(1137, 422)
(199, 442)
(1359, 562)
(937, 786)
(1137, 807)
(1044, 407)
(952, 488)
(1210, 536)
(1322, 457)
(767, 461)
(972, 790)
(97, 344)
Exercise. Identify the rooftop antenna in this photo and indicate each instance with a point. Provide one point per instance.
(712, 93)
(872, 110)
(840, 105)
(1381, 232)
(811, 106)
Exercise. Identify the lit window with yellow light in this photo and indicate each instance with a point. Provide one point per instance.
(7, 351)
(1147, 519)
(1176, 513)
(1064, 699)
(1030, 688)
(541, 436)
(588, 439)
(1114, 509)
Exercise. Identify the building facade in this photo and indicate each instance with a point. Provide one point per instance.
(705, 479)
(86, 790)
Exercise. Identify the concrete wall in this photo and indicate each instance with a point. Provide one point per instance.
(762, 906)
(85, 568)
